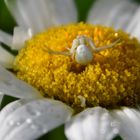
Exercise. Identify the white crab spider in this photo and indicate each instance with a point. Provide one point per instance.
(82, 49)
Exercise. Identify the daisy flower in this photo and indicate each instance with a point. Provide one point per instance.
(81, 75)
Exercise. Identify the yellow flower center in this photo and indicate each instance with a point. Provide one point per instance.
(112, 79)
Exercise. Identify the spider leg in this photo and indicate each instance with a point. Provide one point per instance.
(91, 44)
(68, 48)
(50, 51)
(106, 47)
(75, 43)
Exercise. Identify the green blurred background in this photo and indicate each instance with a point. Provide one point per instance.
(7, 23)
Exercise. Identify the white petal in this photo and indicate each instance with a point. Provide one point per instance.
(33, 119)
(18, 39)
(39, 14)
(6, 58)
(116, 13)
(12, 86)
(5, 38)
(92, 124)
(134, 25)
(11, 108)
(129, 123)
(20, 36)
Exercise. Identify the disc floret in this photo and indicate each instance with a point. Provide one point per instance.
(110, 79)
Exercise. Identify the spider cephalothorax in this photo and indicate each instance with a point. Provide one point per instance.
(83, 49)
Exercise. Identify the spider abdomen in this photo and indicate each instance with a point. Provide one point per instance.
(83, 55)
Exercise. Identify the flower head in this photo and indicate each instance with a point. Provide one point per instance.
(109, 80)
(99, 83)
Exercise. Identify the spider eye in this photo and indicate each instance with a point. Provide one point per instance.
(84, 55)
